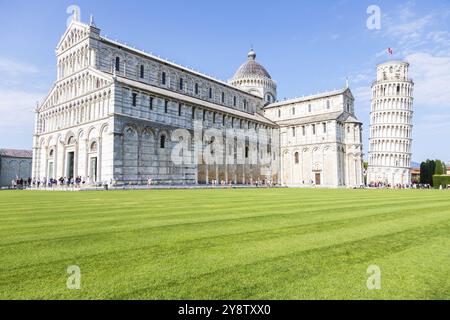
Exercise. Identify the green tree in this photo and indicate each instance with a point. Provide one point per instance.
(365, 165)
(439, 168)
(423, 172)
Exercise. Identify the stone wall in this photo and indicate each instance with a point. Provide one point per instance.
(11, 168)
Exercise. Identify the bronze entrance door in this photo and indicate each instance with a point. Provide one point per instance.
(318, 179)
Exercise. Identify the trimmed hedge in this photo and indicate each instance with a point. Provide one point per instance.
(443, 180)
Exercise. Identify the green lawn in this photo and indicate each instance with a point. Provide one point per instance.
(225, 244)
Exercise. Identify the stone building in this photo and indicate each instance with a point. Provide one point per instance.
(119, 114)
(14, 164)
(321, 140)
(391, 125)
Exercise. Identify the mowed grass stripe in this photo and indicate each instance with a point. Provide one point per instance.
(222, 223)
(134, 253)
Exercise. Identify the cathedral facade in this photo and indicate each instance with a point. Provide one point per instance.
(119, 115)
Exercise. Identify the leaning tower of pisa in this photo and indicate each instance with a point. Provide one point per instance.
(391, 125)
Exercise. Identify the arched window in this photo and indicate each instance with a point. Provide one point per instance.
(181, 84)
(297, 158)
(117, 64)
(166, 106)
(163, 142)
(71, 140)
(94, 146)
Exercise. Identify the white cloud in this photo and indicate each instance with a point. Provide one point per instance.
(364, 93)
(11, 67)
(431, 75)
(17, 108)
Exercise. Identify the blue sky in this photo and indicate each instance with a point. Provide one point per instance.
(307, 47)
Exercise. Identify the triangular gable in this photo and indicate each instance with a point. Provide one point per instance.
(76, 30)
(349, 93)
(94, 72)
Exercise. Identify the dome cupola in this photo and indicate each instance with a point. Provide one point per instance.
(254, 78)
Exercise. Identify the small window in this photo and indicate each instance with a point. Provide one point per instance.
(163, 142)
(297, 158)
(241, 122)
(246, 152)
(210, 93)
(324, 127)
(204, 115)
(293, 111)
(193, 113)
(142, 72)
(166, 106)
(314, 129)
(196, 88)
(151, 103)
(293, 131)
(94, 147)
(309, 108)
(234, 101)
(223, 120)
(163, 78)
(328, 104)
(214, 117)
(117, 64)
(181, 84)
(279, 113)
(245, 104)
(223, 97)
(179, 109)
(304, 130)
(134, 99)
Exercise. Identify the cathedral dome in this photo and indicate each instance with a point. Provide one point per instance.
(251, 69)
